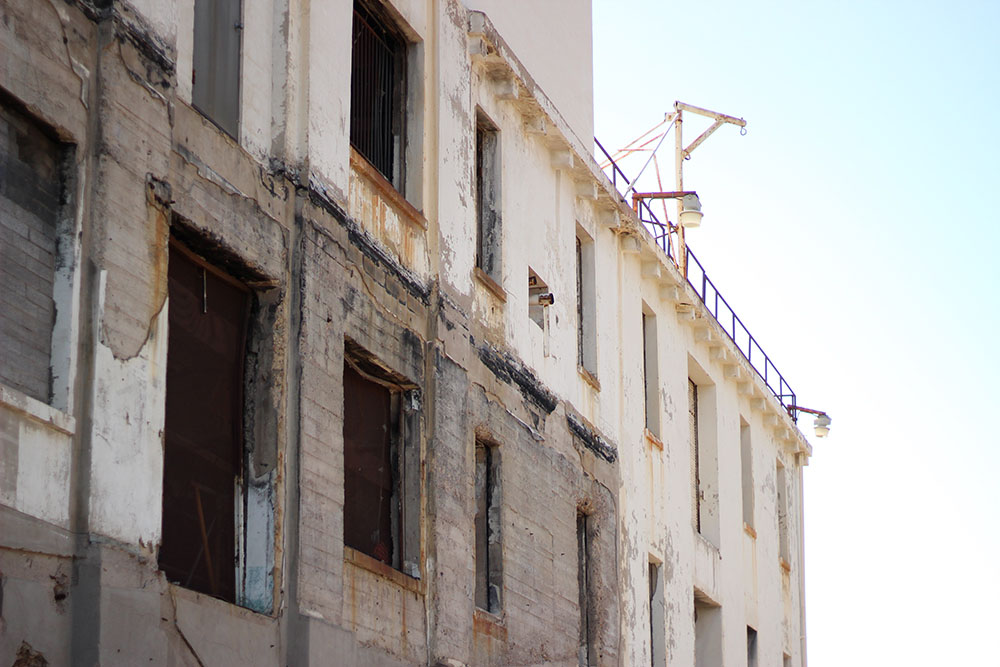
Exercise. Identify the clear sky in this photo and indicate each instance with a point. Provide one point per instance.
(855, 229)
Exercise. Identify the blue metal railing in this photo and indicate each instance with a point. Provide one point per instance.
(706, 290)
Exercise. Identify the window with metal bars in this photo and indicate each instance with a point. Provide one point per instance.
(378, 91)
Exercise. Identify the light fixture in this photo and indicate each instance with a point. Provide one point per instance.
(690, 216)
(822, 422)
(690, 211)
(822, 425)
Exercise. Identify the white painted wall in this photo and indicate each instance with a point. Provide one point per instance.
(554, 39)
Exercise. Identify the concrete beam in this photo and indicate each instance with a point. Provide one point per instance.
(669, 292)
(630, 245)
(561, 158)
(535, 125)
(479, 48)
(608, 217)
(651, 269)
(719, 353)
(586, 189)
(506, 87)
(685, 312)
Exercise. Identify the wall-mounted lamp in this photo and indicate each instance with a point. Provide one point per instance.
(822, 422)
(690, 205)
(691, 211)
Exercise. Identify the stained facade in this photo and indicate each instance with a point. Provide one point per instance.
(325, 340)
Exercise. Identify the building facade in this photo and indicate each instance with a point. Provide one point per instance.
(324, 340)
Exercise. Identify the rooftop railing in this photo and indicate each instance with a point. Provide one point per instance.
(697, 278)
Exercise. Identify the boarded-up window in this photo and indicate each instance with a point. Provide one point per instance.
(489, 549)
(31, 188)
(381, 464)
(203, 438)
(215, 77)
(489, 250)
(378, 91)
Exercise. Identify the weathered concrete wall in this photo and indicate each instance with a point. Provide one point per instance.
(292, 211)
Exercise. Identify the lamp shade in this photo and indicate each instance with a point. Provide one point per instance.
(822, 426)
(690, 211)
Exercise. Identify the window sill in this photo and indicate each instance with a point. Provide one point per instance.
(36, 410)
(589, 378)
(375, 566)
(493, 286)
(226, 607)
(491, 625)
(652, 439)
(363, 168)
(749, 530)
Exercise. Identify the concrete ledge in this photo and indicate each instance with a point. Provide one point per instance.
(36, 410)
(366, 562)
(363, 168)
(23, 532)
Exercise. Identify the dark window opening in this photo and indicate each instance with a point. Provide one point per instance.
(378, 91)
(707, 632)
(215, 77)
(586, 654)
(586, 303)
(579, 302)
(381, 465)
(696, 494)
(746, 472)
(657, 617)
(751, 647)
(488, 220)
(203, 455)
(489, 551)
(218, 465)
(651, 375)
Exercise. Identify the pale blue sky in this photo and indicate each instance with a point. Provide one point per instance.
(854, 229)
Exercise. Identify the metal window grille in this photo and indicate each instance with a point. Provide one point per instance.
(378, 95)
